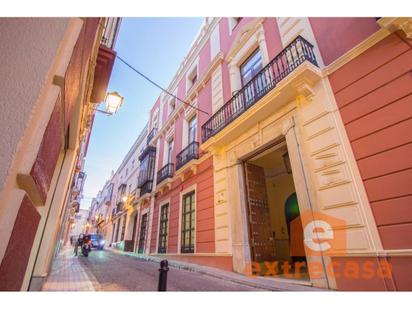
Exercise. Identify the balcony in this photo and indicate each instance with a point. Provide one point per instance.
(146, 173)
(151, 135)
(165, 172)
(296, 53)
(119, 207)
(146, 188)
(189, 153)
(110, 31)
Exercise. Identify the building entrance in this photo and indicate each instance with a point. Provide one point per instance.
(275, 230)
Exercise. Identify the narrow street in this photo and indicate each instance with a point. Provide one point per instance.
(115, 272)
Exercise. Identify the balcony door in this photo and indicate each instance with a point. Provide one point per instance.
(163, 228)
(142, 235)
(248, 70)
(188, 223)
(192, 127)
(170, 152)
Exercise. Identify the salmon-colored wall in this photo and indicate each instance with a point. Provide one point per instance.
(204, 101)
(205, 228)
(204, 59)
(373, 273)
(178, 134)
(181, 90)
(273, 44)
(361, 274)
(50, 147)
(272, 37)
(14, 263)
(374, 96)
(227, 93)
(161, 151)
(335, 36)
(226, 42)
(226, 39)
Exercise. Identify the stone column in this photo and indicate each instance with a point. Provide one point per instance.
(239, 222)
(235, 81)
(304, 198)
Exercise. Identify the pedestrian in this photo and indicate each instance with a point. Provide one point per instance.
(79, 242)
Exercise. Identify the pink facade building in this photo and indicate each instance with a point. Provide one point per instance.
(283, 118)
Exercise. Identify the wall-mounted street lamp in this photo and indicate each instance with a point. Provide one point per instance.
(112, 101)
(124, 198)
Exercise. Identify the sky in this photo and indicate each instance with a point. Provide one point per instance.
(156, 47)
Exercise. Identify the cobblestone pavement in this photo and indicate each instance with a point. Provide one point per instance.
(67, 274)
(116, 272)
(109, 270)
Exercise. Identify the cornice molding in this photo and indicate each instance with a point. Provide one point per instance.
(356, 51)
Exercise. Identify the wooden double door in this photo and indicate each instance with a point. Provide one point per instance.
(261, 238)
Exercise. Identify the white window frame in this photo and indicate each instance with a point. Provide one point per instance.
(190, 72)
(181, 194)
(166, 149)
(215, 42)
(256, 40)
(232, 23)
(185, 128)
(169, 106)
(155, 124)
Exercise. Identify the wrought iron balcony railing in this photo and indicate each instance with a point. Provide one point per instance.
(146, 188)
(151, 135)
(297, 52)
(189, 153)
(119, 206)
(146, 173)
(165, 172)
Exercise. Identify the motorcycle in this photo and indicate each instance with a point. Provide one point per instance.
(86, 248)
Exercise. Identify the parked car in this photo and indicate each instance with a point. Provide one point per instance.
(97, 241)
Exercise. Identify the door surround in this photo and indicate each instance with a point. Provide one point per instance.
(284, 129)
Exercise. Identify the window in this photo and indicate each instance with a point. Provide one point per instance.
(192, 130)
(155, 120)
(123, 227)
(142, 236)
(188, 223)
(192, 78)
(251, 67)
(233, 22)
(163, 226)
(170, 151)
(113, 233)
(172, 105)
(117, 230)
